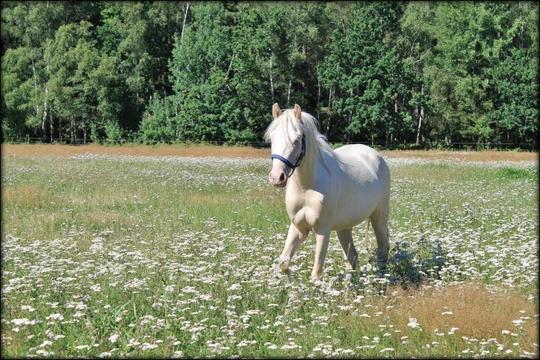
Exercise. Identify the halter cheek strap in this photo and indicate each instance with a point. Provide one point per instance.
(284, 160)
(298, 161)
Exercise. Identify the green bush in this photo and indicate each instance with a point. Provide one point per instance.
(113, 132)
(158, 124)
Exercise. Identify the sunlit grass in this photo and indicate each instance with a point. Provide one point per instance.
(128, 256)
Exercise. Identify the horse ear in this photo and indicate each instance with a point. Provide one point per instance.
(276, 111)
(297, 111)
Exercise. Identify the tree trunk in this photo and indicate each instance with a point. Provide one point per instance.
(418, 130)
(272, 81)
(318, 98)
(72, 131)
(330, 98)
(184, 22)
(420, 119)
(329, 108)
(45, 109)
(51, 126)
(230, 66)
(289, 93)
(43, 135)
(350, 112)
(396, 110)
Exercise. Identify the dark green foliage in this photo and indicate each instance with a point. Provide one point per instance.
(157, 124)
(391, 74)
(483, 54)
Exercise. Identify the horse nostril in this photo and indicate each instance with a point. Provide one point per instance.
(281, 177)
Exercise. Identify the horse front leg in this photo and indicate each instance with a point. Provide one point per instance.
(322, 239)
(294, 238)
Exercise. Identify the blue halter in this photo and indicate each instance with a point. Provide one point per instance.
(298, 161)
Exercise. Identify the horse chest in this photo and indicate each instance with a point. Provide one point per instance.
(305, 209)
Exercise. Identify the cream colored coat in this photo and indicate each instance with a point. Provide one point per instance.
(330, 190)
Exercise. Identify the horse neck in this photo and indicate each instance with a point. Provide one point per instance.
(305, 175)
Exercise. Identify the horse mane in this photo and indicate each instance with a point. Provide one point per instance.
(308, 126)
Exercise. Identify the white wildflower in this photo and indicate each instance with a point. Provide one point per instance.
(177, 354)
(114, 338)
(147, 346)
(55, 317)
(413, 323)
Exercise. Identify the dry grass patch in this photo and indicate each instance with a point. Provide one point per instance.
(472, 308)
(36, 150)
(24, 196)
(482, 156)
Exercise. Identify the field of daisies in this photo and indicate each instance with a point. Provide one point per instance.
(139, 256)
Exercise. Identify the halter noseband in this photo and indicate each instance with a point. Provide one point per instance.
(298, 161)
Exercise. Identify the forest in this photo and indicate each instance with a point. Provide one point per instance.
(392, 74)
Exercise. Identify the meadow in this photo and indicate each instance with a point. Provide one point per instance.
(110, 254)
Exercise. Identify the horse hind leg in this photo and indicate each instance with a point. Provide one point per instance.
(379, 222)
(346, 241)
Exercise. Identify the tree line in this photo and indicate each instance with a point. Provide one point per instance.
(425, 74)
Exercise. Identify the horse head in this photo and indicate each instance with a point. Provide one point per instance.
(288, 143)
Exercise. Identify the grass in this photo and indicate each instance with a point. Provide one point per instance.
(119, 255)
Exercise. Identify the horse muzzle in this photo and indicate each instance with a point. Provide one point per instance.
(278, 179)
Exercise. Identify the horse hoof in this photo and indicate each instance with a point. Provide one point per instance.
(316, 278)
(284, 266)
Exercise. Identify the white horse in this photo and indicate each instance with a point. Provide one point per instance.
(326, 189)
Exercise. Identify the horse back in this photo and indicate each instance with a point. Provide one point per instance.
(362, 163)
